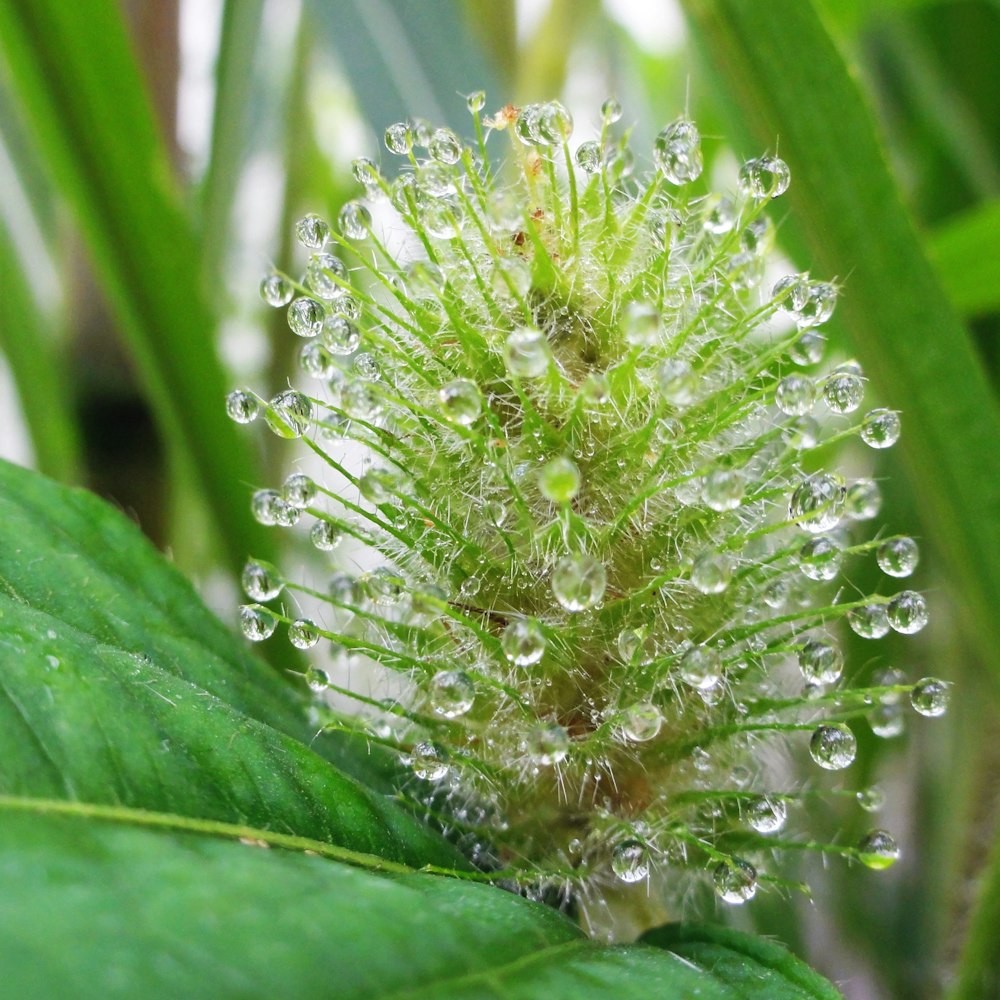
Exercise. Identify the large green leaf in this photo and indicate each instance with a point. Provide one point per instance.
(784, 78)
(407, 60)
(98, 910)
(967, 253)
(118, 687)
(80, 90)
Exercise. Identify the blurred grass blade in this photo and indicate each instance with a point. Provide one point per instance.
(406, 59)
(967, 253)
(230, 122)
(77, 82)
(34, 363)
(785, 80)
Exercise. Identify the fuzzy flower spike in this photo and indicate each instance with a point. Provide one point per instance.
(580, 453)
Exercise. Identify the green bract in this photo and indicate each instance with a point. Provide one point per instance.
(569, 429)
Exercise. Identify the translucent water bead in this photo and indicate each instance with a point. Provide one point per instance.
(833, 747)
(735, 881)
(588, 156)
(863, 500)
(444, 146)
(242, 406)
(870, 621)
(312, 232)
(817, 503)
(820, 558)
(878, 850)
(526, 353)
(256, 622)
(795, 395)
(453, 693)
(289, 414)
(844, 391)
(630, 860)
(578, 582)
(354, 220)
(641, 722)
(930, 697)
(322, 274)
(427, 761)
(677, 152)
(461, 402)
(298, 490)
(820, 662)
(701, 667)
(559, 480)
(523, 642)
(325, 536)
(303, 633)
(898, 556)
(261, 581)
(276, 290)
(764, 177)
(399, 138)
(711, 572)
(765, 815)
(305, 317)
(548, 743)
(881, 428)
(907, 612)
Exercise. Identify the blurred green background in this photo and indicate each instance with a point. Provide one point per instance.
(155, 155)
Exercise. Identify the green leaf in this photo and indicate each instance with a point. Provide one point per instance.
(407, 59)
(119, 687)
(786, 81)
(736, 958)
(37, 371)
(966, 251)
(100, 910)
(79, 88)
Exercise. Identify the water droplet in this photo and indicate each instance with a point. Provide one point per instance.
(318, 680)
(801, 433)
(312, 232)
(343, 589)
(242, 406)
(303, 633)
(735, 881)
(820, 558)
(325, 536)
(461, 402)
(815, 304)
(305, 317)
(611, 111)
(588, 156)
(399, 138)
(427, 761)
(322, 273)
(719, 217)
(765, 177)
(878, 850)
(711, 572)
(630, 860)
(701, 667)
(833, 747)
(526, 353)
(578, 581)
(548, 743)
(908, 612)
(555, 123)
(444, 146)
(766, 815)
(817, 503)
(641, 324)
(723, 489)
(354, 220)
(289, 414)
(863, 500)
(559, 480)
(261, 581)
(808, 349)
(383, 586)
(257, 623)
(452, 693)
(526, 125)
(870, 621)
(298, 490)
(843, 391)
(641, 722)
(881, 428)
(871, 799)
(476, 101)
(898, 556)
(523, 642)
(263, 506)
(276, 290)
(316, 361)
(887, 721)
(677, 152)
(930, 697)
(677, 382)
(636, 646)
(820, 662)
(340, 335)
(365, 366)
(795, 395)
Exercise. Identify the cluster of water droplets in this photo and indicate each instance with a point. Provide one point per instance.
(603, 554)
